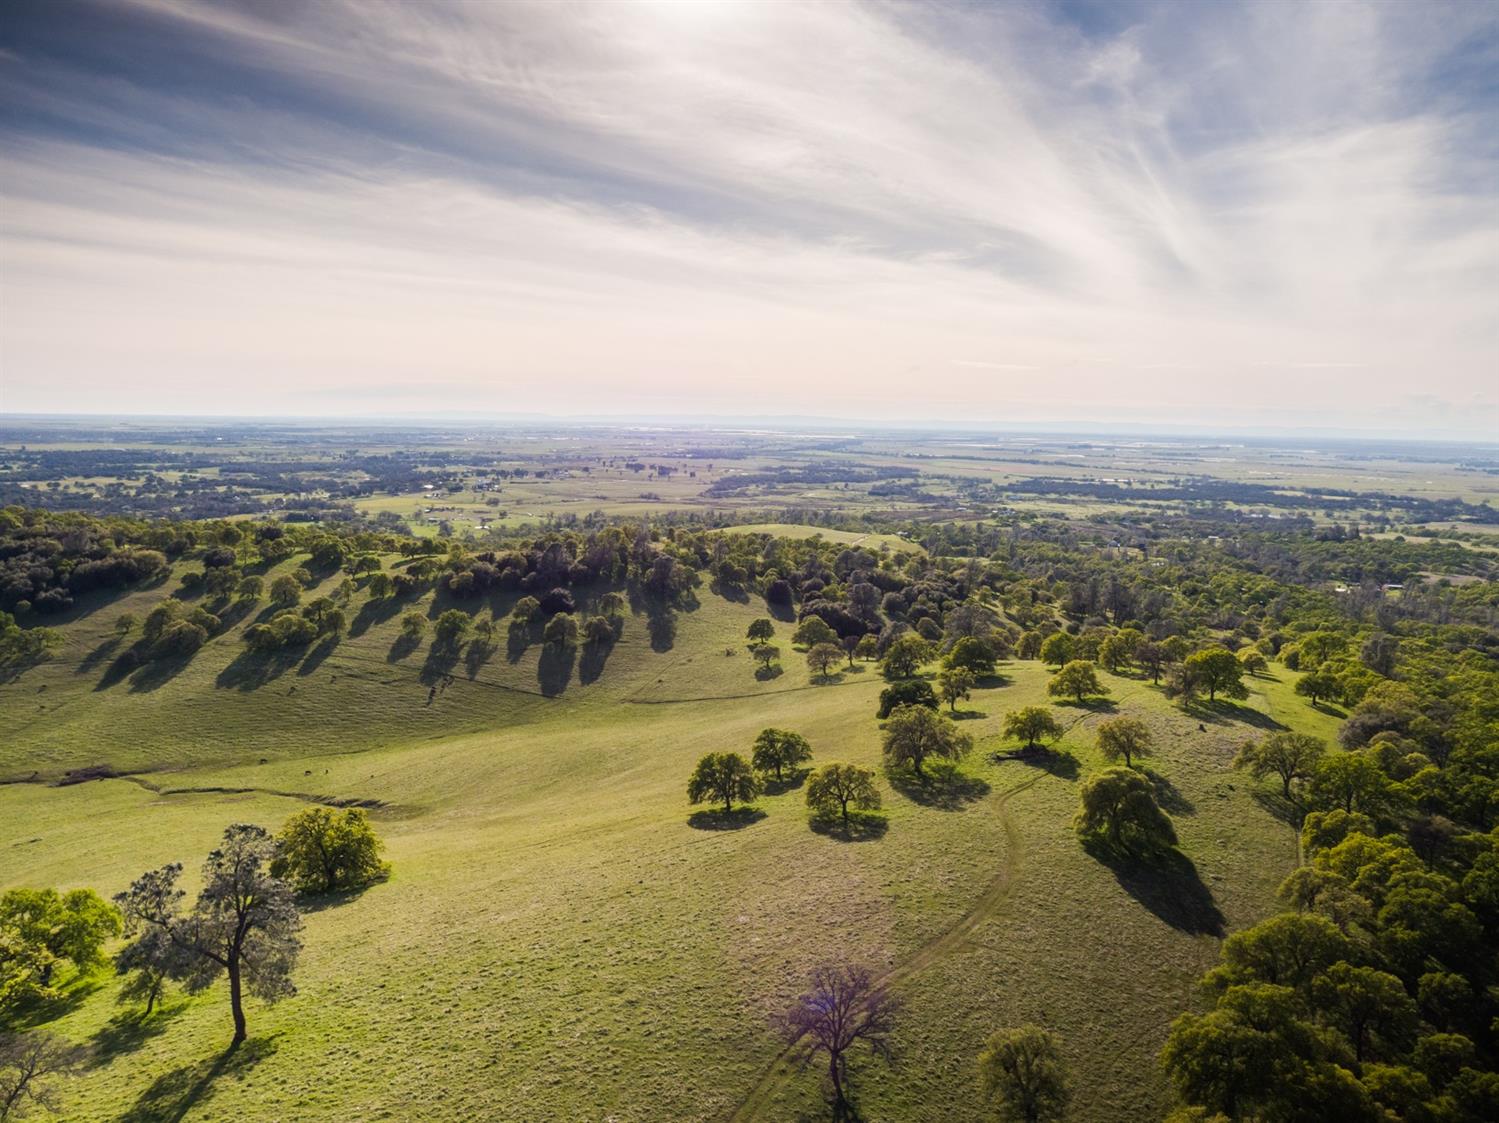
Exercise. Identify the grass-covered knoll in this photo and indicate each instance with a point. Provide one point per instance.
(558, 942)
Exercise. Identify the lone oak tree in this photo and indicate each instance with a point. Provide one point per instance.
(322, 850)
(1126, 737)
(777, 750)
(1078, 680)
(955, 684)
(1118, 806)
(823, 658)
(834, 788)
(723, 776)
(1033, 724)
(1219, 671)
(915, 733)
(843, 1007)
(1022, 1074)
(244, 922)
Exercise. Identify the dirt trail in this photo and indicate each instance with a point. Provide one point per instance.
(944, 943)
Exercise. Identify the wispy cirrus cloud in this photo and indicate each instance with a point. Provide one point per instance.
(214, 206)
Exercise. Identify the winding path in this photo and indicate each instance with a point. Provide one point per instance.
(944, 943)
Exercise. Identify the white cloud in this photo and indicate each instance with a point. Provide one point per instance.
(798, 206)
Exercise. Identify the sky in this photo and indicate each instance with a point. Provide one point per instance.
(1280, 215)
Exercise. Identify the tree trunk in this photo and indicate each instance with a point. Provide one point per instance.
(236, 1005)
(837, 1077)
(845, 814)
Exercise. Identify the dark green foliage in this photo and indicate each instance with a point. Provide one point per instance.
(723, 776)
(1119, 810)
(323, 850)
(912, 692)
(780, 752)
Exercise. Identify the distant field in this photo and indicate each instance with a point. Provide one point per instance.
(852, 538)
(558, 939)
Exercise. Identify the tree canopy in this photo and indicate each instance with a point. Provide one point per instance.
(723, 776)
(915, 734)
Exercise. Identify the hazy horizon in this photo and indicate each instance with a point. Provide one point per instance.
(1065, 215)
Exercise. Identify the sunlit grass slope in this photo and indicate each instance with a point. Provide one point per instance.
(557, 942)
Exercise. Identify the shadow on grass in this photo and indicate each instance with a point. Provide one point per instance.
(785, 613)
(943, 786)
(1168, 795)
(371, 613)
(967, 715)
(250, 670)
(765, 674)
(591, 664)
(174, 1094)
(720, 820)
(991, 682)
(1288, 811)
(1092, 705)
(475, 656)
(729, 592)
(1168, 885)
(98, 655)
(403, 645)
(662, 626)
(1223, 712)
(862, 826)
(517, 639)
(126, 1032)
(320, 651)
(320, 902)
(157, 673)
(441, 659)
(1060, 764)
(554, 670)
(790, 782)
(69, 997)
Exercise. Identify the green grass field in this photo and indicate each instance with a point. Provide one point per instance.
(557, 941)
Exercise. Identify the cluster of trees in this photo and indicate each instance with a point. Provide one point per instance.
(244, 924)
(834, 791)
(1373, 996)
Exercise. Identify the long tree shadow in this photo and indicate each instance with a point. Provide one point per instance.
(1223, 712)
(661, 625)
(943, 786)
(157, 673)
(128, 1031)
(790, 782)
(554, 670)
(517, 639)
(315, 657)
(173, 1094)
(720, 820)
(250, 670)
(1169, 886)
(69, 997)
(441, 659)
(402, 646)
(862, 826)
(1060, 764)
(591, 665)
(98, 655)
(1288, 811)
(371, 613)
(967, 715)
(1092, 705)
(476, 655)
(1168, 795)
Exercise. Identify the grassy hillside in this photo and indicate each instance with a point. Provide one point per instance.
(558, 941)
